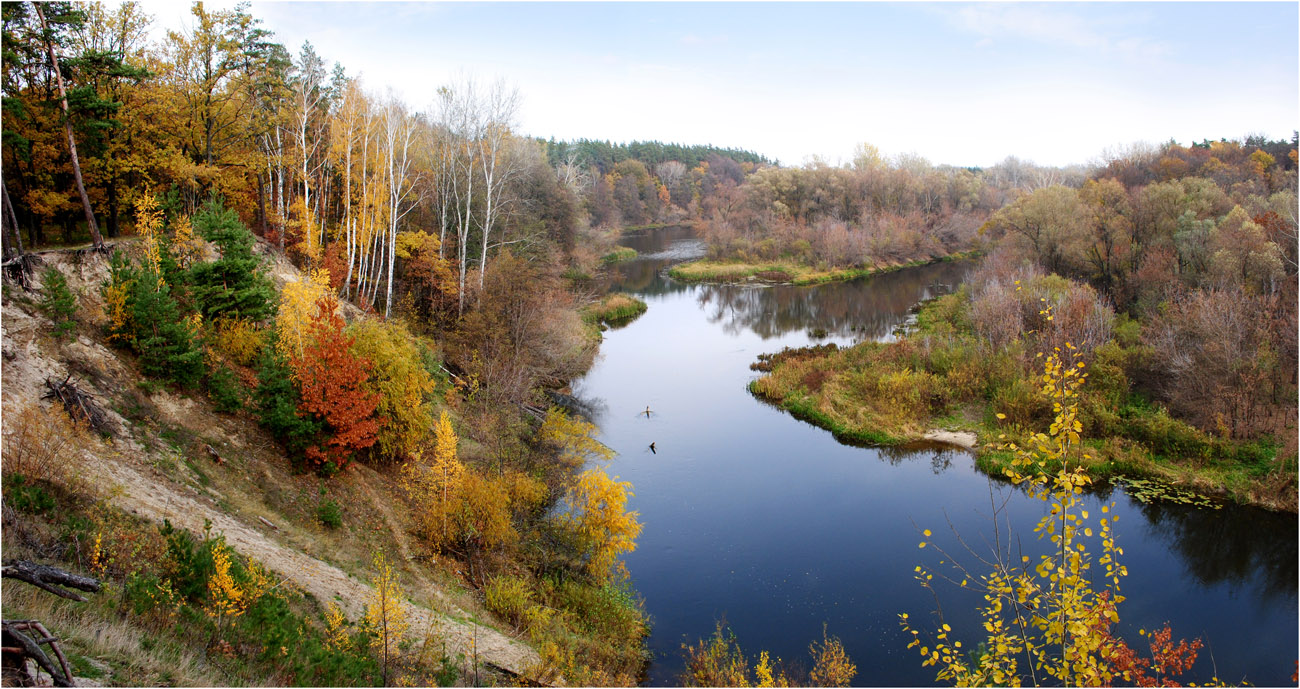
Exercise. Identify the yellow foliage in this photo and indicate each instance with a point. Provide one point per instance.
(186, 246)
(148, 224)
(119, 314)
(1046, 614)
(225, 597)
(297, 308)
(599, 518)
(435, 484)
(401, 380)
(831, 664)
(572, 436)
(336, 633)
(238, 339)
(46, 444)
(411, 241)
(385, 612)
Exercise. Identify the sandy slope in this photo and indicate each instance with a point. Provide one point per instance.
(30, 357)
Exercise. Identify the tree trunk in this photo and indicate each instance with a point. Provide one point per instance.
(11, 225)
(67, 126)
(111, 189)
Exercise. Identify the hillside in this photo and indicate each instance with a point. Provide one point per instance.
(167, 457)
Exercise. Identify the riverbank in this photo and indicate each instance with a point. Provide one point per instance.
(788, 272)
(941, 376)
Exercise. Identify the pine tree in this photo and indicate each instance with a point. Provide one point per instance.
(278, 402)
(235, 285)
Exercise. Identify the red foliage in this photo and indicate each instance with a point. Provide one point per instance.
(334, 388)
(337, 264)
(1168, 660)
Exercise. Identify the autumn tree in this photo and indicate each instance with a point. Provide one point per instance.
(434, 483)
(1049, 222)
(1045, 622)
(299, 305)
(386, 615)
(335, 389)
(600, 519)
(67, 120)
(398, 376)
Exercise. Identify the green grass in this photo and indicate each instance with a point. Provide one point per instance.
(614, 310)
(786, 271)
(622, 253)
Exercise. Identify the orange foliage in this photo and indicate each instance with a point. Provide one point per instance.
(335, 388)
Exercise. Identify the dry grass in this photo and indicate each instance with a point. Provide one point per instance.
(45, 444)
(94, 630)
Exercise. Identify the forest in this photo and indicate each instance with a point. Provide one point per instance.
(396, 300)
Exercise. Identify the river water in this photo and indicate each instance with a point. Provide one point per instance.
(753, 517)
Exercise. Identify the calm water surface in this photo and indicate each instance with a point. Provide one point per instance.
(754, 517)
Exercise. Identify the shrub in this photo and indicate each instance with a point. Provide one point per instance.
(277, 405)
(58, 302)
(240, 340)
(329, 514)
(510, 597)
(402, 382)
(227, 393)
(45, 444)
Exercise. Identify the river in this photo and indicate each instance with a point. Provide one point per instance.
(767, 522)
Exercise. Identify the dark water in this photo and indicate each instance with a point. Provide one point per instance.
(768, 522)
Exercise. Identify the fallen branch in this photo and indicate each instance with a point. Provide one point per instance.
(50, 579)
(13, 634)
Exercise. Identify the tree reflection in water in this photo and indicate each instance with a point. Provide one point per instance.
(1242, 546)
(867, 308)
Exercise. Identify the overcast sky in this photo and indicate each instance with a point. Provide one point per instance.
(965, 84)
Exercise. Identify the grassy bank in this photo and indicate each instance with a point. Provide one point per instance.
(614, 310)
(622, 253)
(786, 271)
(943, 376)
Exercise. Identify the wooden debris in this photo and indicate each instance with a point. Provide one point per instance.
(216, 457)
(78, 403)
(264, 521)
(20, 643)
(50, 579)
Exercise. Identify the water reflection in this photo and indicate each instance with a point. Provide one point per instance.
(1238, 546)
(867, 308)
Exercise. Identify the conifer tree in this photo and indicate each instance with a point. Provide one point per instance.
(278, 404)
(233, 286)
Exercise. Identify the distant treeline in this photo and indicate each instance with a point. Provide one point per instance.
(604, 155)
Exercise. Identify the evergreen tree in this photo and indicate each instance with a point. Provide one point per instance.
(234, 285)
(277, 402)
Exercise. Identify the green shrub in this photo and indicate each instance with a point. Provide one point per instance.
(58, 302)
(509, 597)
(277, 405)
(227, 393)
(25, 496)
(330, 514)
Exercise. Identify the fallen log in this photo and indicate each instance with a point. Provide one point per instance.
(50, 579)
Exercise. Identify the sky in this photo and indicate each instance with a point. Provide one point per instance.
(958, 83)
